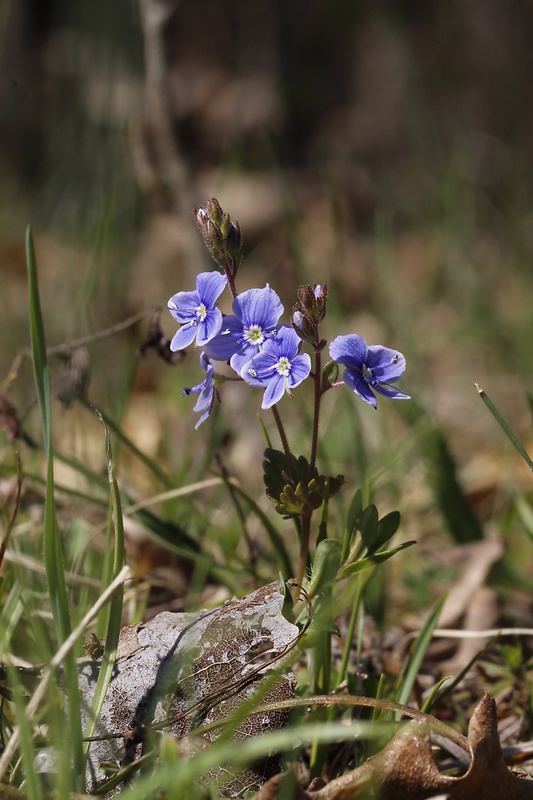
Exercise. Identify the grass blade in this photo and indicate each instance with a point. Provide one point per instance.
(114, 611)
(53, 557)
(32, 784)
(504, 425)
(419, 650)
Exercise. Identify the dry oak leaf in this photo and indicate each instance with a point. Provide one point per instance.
(180, 670)
(405, 770)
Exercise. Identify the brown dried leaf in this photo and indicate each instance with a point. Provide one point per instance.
(9, 421)
(405, 770)
(73, 378)
(180, 670)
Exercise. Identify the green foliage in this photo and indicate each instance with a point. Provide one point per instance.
(412, 665)
(289, 487)
(53, 556)
(342, 553)
(449, 497)
(114, 561)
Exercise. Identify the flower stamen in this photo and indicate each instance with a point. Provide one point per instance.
(254, 335)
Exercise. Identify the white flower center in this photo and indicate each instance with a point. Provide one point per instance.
(367, 373)
(254, 335)
(201, 312)
(283, 366)
(252, 372)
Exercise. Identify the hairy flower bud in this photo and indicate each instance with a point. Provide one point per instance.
(312, 300)
(222, 237)
(303, 326)
(321, 296)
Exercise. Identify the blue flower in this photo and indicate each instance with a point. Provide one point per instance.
(205, 389)
(368, 369)
(242, 335)
(278, 367)
(200, 318)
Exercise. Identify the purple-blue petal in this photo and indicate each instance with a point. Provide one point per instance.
(184, 336)
(387, 365)
(247, 351)
(274, 391)
(350, 350)
(391, 392)
(355, 381)
(210, 286)
(287, 342)
(183, 305)
(258, 307)
(227, 341)
(209, 327)
(300, 369)
(243, 355)
(204, 404)
(248, 373)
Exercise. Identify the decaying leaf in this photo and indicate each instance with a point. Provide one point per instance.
(181, 670)
(405, 770)
(73, 378)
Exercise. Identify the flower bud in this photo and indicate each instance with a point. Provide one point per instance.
(222, 237)
(313, 301)
(321, 297)
(214, 211)
(234, 238)
(303, 326)
(330, 373)
(210, 231)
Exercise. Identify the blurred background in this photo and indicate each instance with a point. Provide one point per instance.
(385, 148)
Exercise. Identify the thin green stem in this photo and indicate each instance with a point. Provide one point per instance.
(304, 548)
(285, 443)
(351, 630)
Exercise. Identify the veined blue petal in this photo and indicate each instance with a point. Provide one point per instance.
(387, 365)
(184, 336)
(258, 307)
(210, 286)
(274, 391)
(205, 390)
(183, 305)
(300, 369)
(390, 391)
(249, 374)
(209, 327)
(243, 355)
(350, 350)
(357, 384)
(287, 342)
(227, 341)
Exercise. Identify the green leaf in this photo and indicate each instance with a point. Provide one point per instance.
(367, 525)
(277, 473)
(375, 558)
(387, 527)
(326, 565)
(356, 506)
